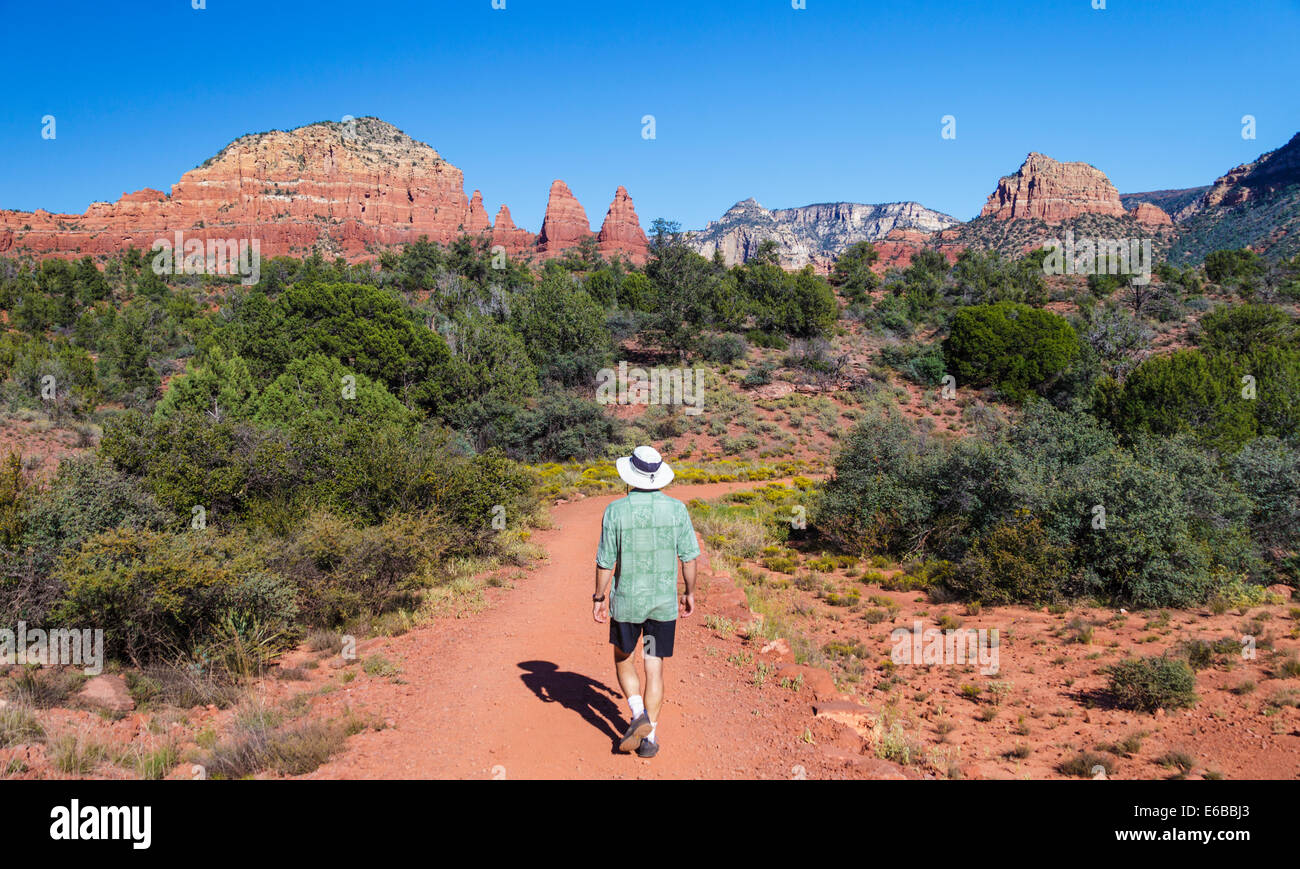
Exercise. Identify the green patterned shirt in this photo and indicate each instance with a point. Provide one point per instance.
(645, 535)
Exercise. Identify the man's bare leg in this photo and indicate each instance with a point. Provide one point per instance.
(625, 668)
(640, 726)
(654, 686)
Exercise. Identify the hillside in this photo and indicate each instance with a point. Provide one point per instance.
(1175, 203)
(1256, 204)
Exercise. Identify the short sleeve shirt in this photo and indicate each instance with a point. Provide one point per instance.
(644, 536)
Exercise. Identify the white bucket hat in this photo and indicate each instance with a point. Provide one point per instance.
(644, 469)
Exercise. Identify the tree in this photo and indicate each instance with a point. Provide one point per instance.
(221, 387)
(1009, 345)
(132, 343)
(1183, 391)
(853, 275)
(563, 328)
(1227, 266)
(682, 282)
(368, 329)
(1239, 329)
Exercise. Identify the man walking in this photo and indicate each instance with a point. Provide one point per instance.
(642, 538)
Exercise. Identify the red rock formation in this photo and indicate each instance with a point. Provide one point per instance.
(339, 187)
(1152, 215)
(346, 189)
(565, 223)
(476, 220)
(516, 241)
(1045, 189)
(898, 247)
(621, 233)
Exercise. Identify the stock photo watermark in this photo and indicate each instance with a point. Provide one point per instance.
(673, 387)
(56, 647)
(955, 647)
(218, 256)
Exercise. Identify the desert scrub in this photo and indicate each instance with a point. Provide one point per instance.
(151, 764)
(43, 688)
(837, 650)
(1085, 764)
(1148, 684)
(719, 624)
(380, 666)
(890, 741)
(1126, 747)
(849, 598)
(1177, 760)
(18, 725)
(184, 684)
(75, 754)
(260, 741)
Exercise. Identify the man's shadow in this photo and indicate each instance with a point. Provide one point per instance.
(591, 699)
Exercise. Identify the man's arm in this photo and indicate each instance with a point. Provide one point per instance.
(600, 608)
(688, 577)
(688, 552)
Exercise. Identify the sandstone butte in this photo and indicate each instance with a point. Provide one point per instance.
(348, 189)
(1047, 190)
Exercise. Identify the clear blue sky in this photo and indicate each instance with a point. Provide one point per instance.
(838, 101)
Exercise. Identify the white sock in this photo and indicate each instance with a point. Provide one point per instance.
(654, 725)
(636, 704)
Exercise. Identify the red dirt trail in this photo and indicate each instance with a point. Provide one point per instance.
(525, 688)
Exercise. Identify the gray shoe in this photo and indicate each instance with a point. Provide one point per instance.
(647, 748)
(636, 731)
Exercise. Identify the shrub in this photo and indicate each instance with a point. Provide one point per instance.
(15, 493)
(723, 349)
(881, 488)
(1239, 329)
(561, 426)
(1148, 684)
(343, 572)
(310, 394)
(759, 375)
(18, 725)
(88, 496)
(158, 594)
(1225, 266)
(1183, 391)
(921, 363)
(1014, 563)
(1084, 765)
(1009, 345)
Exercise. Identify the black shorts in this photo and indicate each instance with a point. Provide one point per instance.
(658, 640)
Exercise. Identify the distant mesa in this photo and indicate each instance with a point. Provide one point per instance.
(812, 234)
(345, 189)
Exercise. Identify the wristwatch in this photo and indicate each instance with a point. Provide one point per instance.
(597, 598)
